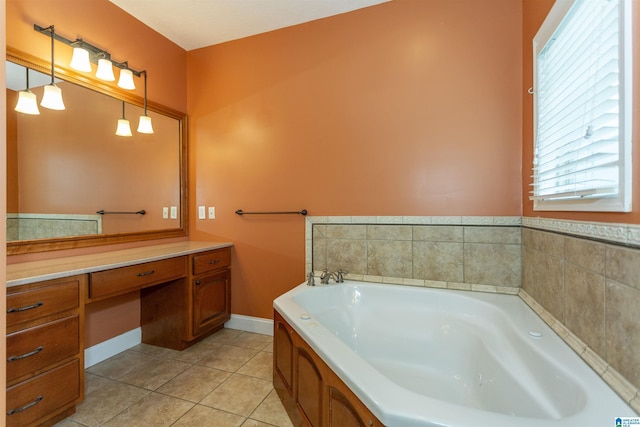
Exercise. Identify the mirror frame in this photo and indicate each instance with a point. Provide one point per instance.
(74, 242)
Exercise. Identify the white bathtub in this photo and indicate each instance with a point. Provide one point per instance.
(431, 357)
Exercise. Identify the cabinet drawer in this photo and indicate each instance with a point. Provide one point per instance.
(125, 279)
(33, 349)
(37, 397)
(209, 261)
(36, 303)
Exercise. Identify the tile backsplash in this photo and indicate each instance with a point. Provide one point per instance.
(582, 278)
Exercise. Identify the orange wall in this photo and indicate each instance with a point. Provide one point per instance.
(101, 23)
(405, 108)
(534, 13)
(3, 223)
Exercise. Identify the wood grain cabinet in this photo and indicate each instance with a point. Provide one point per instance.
(310, 391)
(179, 313)
(45, 354)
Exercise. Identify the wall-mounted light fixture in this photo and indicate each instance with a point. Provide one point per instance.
(123, 129)
(27, 103)
(144, 126)
(52, 97)
(85, 53)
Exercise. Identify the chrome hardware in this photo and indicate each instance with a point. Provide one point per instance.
(310, 281)
(214, 261)
(326, 276)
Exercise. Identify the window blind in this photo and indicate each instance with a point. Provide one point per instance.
(578, 140)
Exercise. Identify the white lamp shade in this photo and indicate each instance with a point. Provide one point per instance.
(144, 125)
(80, 60)
(105, 70)
(52, 98)
(123, 128)
(126, 80)
(27, 103)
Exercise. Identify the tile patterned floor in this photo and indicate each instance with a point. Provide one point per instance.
(223, 381)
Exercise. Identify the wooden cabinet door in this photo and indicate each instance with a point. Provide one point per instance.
(211, 301)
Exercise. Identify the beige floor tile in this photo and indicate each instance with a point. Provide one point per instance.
(228, 357)
(106, 402)
(261, 366)
(251, 340)
(194, 383)
(121, 364)
(239, 394)
(155, 410)
(204, 416)
(68, 422)
(255, 423)
(272, 412)
(94, 382)
(155, 373)
(223, 336)
(167, 353)
(197, 352)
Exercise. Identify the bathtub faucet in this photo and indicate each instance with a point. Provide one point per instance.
(338, 276)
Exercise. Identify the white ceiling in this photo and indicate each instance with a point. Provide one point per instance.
(193, 24)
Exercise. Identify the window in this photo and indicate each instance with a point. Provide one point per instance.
(582, 99)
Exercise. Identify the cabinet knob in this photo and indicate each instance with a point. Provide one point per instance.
(197, 282)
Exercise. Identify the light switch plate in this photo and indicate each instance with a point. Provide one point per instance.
(165, 213)
(174, 212)
(201, 212)
(212, 212)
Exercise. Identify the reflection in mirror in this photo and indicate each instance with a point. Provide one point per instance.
(65, 167)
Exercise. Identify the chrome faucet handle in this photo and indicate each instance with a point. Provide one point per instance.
(310, 281)
(325, 277)
(339, 275)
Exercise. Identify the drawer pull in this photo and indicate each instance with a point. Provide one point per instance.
(197, 282)
(25, 407)
(214, 261)
(146, 273)
(31, 353)
(29, 307)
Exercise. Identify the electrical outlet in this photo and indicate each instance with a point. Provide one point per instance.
(212, 212)
(165, 213)
(201, 212)
(174, 212)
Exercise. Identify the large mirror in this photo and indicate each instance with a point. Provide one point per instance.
(72, 182)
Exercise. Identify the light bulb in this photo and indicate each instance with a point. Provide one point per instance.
(126, 80)
(144, 125)
(27, 103)
(105, 70)
(52, 98)
(80, 60)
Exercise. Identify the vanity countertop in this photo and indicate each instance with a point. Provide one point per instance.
(35, 271)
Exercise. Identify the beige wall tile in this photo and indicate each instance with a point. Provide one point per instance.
(585, 253)
(349, 255)
(543, 280)
(353, 232)
(437, 233)
(623, 265)
(622, 330)
(389, 232)
(549, 243)
(507, 235)
(438, 261)
(584, 306)
(319, 254)
(492, 264)
(389, 258)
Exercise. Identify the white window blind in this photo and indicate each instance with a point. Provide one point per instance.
(582, 111)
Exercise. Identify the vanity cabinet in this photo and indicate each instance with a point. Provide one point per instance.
(45, 354)
(310, 391)
(179, 313)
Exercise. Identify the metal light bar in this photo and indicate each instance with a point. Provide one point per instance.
(95, 53)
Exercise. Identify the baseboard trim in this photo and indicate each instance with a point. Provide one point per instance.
(106, 349)
(257, 325)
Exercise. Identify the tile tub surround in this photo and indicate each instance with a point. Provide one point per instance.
(582, 278)
(482, 257)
